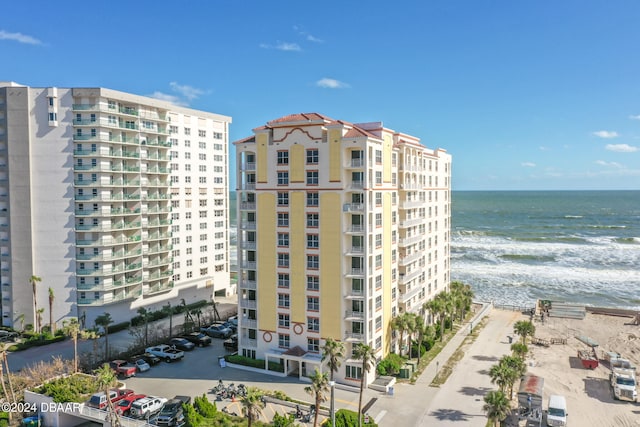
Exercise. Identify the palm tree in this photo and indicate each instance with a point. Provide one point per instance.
(144, 314)
(252, 404)
(422, 331)
(3, 350)
(105, 320)
(499, 374)
(107, 379)
(497, 406)
(318, 389)
(71, 328)
(520, 350)
(437, 308)
(516, 368)
(367, 355)
(524, 328)
(52, 326)
(39, 312)
(34, 281)
(332, 352)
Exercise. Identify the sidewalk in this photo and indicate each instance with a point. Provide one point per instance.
(410, 401)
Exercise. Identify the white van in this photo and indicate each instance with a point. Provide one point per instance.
(557, 412)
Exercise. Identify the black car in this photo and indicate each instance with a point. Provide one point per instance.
(198, 338)
(182, 344)
(231, 344)
(171, 413)
(8, 335)
(148, 357)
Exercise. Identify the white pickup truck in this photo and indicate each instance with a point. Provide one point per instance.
(165, 352)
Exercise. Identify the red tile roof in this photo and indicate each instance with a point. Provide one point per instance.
(300, 117)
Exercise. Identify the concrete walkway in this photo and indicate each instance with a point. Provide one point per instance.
(410, 403)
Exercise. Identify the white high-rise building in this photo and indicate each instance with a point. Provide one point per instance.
(116, 201)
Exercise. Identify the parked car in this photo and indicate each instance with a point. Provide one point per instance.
(217, 331)
(124, 405)
(230, 325)
(8, 335)
(146, 407)
(166, 353)
(149, 358)
(182, 344)
(99, 400)
(198, 338)
(123, 368)
(141, 364)
(231, 343)
(171, 414)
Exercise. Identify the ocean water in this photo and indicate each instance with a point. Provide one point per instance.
(575, 246)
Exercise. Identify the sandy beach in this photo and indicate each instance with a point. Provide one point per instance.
(588, 394)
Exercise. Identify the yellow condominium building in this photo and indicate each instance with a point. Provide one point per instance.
(341, 227)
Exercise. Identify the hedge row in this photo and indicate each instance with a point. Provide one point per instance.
(254, 363)
(35, 342)
(161, 314)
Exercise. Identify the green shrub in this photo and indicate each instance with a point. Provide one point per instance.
(414, 349)
(74, 388)
(347, 418)
(117, 327)
(390, 365)
(35, 341)
(254, 363)
(204, 407)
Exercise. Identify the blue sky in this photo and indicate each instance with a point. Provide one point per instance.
(525, 95)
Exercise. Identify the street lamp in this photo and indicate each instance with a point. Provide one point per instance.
(170, 318)
(332, 384)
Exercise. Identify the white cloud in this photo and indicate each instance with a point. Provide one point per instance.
(314, 39)
(621, 148)
(187, 91)
(528, 164)
(306, 35)
(635, 117)
(19, 37)
(543, 148)
(166, 97)
(609, 164)
(331, 83)
(606, 134)
(284, 46)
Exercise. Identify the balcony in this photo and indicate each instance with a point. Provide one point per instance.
(355, 163)
(410, 258)
(160, 275)
(408, 204)
(248, 284)
(160, 262)
(250, 186)
(355, 229)
(251, 265)
(249, 323)
(159, 249)
(158, 196)
(356, 272)
(405, 278)
(158, 170)
(355, 250)
(131, 111)
(354, 336)
(356, 184)
(406, 296)
(249, 166)
(248, 206)
(355, 293)
(248, 245)
(349, 315)
(248, 303)
(411, 222)
(353, 207)
(248, 342)
(406, 241)
(248, 225)
(158, 288)
(158, 143)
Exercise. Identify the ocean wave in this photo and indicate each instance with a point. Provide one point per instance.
(573, 217)
(628, 240)
(528, 257)
(612, 227)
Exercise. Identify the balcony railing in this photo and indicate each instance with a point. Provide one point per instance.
(246, 303)
(354, 336)
(353, 207)
(248, 205)
(248, 225)
(248, 342)
(248, 284)
(353, 315)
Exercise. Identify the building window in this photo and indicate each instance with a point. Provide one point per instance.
(313, 199)
(313, 262)
(313, 241)
(313, 283)
(379, 282)
(187, 131)
(283, 340)
(283, 320)
(353, 372)
(379, 157)
(202, 133)
(378, 261)
(378, 198)
(378, 178)
(312, 156)
(283, 300)
(378, 323)
(378, 240)
(283, 199)
(312, 177)
(283, 178)
(283, 219)
(379, 302)
(283, 260)
(313, 324)
(313, 220)
(313, 345)
(283, 280)
(283, 157)
(313, 303)
(378, 220)
(283, 239)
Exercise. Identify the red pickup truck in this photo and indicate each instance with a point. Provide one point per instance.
(99, 400)
(123, 368)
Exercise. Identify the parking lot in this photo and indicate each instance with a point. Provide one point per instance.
(199, 372)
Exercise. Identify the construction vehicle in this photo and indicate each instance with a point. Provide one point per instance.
(623, 380)
(530, 400)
